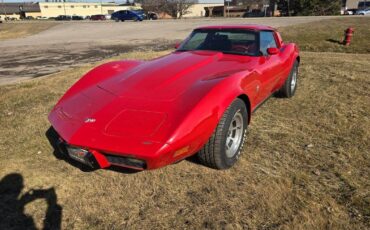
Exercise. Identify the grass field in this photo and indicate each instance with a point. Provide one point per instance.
(327, 35)
(305, 164)
(17, 30)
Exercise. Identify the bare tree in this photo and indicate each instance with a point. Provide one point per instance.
(175, 8)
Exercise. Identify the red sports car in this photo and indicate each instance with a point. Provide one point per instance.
(196, 100)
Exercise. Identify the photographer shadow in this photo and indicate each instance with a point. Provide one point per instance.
(12, 205)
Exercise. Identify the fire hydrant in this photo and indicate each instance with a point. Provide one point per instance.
(348, 36)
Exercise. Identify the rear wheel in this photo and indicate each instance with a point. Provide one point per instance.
(290, 85)
(224, 147)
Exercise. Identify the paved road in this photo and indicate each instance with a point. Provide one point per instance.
(69, 43)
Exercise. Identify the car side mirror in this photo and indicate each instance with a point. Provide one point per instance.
(177, 45)
(273, 51)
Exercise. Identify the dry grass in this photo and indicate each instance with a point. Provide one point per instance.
(278, 183)
(325, 36)
(305, 165)
(18, 30)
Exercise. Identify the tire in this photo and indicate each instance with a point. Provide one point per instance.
(290, 85)
(135, 19)
(215, 154)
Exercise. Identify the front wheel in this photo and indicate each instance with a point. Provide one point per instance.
(290, 85)
(224, 147)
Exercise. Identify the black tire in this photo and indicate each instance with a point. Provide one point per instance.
(215, 154)
(289, 88)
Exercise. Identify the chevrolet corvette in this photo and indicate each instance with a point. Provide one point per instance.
(197, 100)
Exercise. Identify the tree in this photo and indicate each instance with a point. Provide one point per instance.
(175, 8)
(309, 7)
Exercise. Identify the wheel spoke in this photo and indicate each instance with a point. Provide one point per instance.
(234, 135)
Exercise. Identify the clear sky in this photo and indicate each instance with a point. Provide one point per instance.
(118, 1)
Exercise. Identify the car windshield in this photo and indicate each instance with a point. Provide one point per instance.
(231, 41)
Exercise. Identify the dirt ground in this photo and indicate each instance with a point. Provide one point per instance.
(74, 43)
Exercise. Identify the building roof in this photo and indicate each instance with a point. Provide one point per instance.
(11, 8)
(238, 26)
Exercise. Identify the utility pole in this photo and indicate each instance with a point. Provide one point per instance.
(64, 7)
(2, 3)
(227, 8)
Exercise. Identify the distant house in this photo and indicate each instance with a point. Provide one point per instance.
(237, 8)
(19, 10)
(199, 9)
(350, 4)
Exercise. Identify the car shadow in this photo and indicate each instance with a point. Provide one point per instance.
(13, 202)
(194, 159)
(52, 137)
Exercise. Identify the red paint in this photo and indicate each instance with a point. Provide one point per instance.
(348, 36)
(149, 110)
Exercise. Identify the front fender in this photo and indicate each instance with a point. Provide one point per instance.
(200, 123)
(97, 74)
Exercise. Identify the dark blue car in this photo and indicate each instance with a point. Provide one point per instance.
(122, 15)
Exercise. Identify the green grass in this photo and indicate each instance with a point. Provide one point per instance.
(325, 36)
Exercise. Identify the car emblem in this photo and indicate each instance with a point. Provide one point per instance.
(90, 120)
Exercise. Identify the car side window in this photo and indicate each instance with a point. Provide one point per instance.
(267, 40)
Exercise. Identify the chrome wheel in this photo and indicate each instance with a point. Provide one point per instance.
(234, 135)
(293, 82)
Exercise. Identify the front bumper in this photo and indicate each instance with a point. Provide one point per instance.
(96, 159)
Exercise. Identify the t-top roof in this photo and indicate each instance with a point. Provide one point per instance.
(239, 26)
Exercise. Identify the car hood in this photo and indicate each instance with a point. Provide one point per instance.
(145, 103)
(168, 77)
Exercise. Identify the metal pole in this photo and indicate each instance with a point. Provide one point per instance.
(64, 6)
(2, 2)
(228, 9)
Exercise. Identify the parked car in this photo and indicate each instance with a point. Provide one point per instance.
(123, 15)
(350, 11)
(363, 12)
(98, 17)
(63, 18)
(253, 14)
(152, 16)
(42, 18)
(197, 100)
(77, 18)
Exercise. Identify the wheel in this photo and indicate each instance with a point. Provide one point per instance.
(224, 147)
(290, 85)
(135, 19)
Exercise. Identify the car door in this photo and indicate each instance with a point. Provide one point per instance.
(126, 15)
(269, 66)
